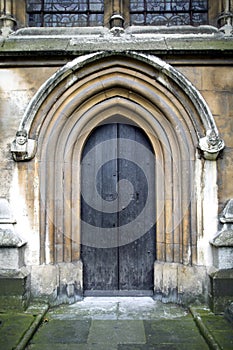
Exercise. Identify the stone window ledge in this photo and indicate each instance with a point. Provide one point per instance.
(131, 30)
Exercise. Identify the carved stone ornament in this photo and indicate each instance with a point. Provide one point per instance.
(22, 148)
(223, 242)
(211, 145)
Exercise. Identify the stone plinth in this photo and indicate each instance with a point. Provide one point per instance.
(181, 284)
(14, 277)
(223, 250)
(12, 249)
(221, 296)
(221, 293)
(14, 289)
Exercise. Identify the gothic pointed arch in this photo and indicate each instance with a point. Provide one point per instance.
(139, 89)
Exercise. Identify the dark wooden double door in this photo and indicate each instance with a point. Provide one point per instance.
(118, 256)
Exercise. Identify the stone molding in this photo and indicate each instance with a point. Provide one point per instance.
(166, 70)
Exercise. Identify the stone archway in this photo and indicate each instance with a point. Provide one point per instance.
(151, 94)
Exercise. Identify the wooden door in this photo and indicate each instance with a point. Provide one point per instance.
(117, 211)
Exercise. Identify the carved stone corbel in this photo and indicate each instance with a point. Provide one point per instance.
(211, 145)
(22, 148)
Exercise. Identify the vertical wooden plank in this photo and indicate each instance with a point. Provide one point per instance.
(136, 259)
(100, 264)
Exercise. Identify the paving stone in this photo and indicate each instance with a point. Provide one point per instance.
(62, 332)
(174, 331)
(216, 322)
(99, 324)
(221, 328)
(71, 347)
(117, 332)
(167, 346)
(12, 327)
(55, 346)
(147, 347)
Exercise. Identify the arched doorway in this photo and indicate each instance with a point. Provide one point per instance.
(118, 211)
(148, 92)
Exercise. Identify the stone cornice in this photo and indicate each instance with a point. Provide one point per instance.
(74, 41)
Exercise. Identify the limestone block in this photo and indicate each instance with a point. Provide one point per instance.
(6, 216)
(71, 274)
(179, 283)
(192, 284)
(193, 74)
(223, 242)
(223, 257)
(12, 258)
(70, 285)
(229, 313)
(226, 125)
(12, 249)
(12, 246)
(218, 103)
(221, 290)
(170, 279)
(9, 238)
(14, 289)
(225, 173)
(221, 79)
(45, 281)
(158, 277)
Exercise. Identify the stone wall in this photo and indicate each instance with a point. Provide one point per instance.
(215, 82)
(21, 75)
(18, 86)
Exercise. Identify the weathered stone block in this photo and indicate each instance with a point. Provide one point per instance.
(70, 285)
(179, 283)
(12, 248)
(170, 285)
(223, 257)
(221, 283)
(45, 282)
(223, 242)
(229, 313)
(12, 258)
(14, 290)
(192, 284)
(158, 278)
(221, 78)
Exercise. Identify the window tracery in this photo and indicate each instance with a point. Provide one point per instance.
(169, 12)
(65, 13)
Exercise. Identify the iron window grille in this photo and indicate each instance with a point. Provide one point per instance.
(65, 13)
(169, 12)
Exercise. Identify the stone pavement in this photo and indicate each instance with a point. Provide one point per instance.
(115, 323)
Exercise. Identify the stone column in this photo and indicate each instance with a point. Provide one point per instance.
(225, 18)
(117, 19)
(7, 20)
